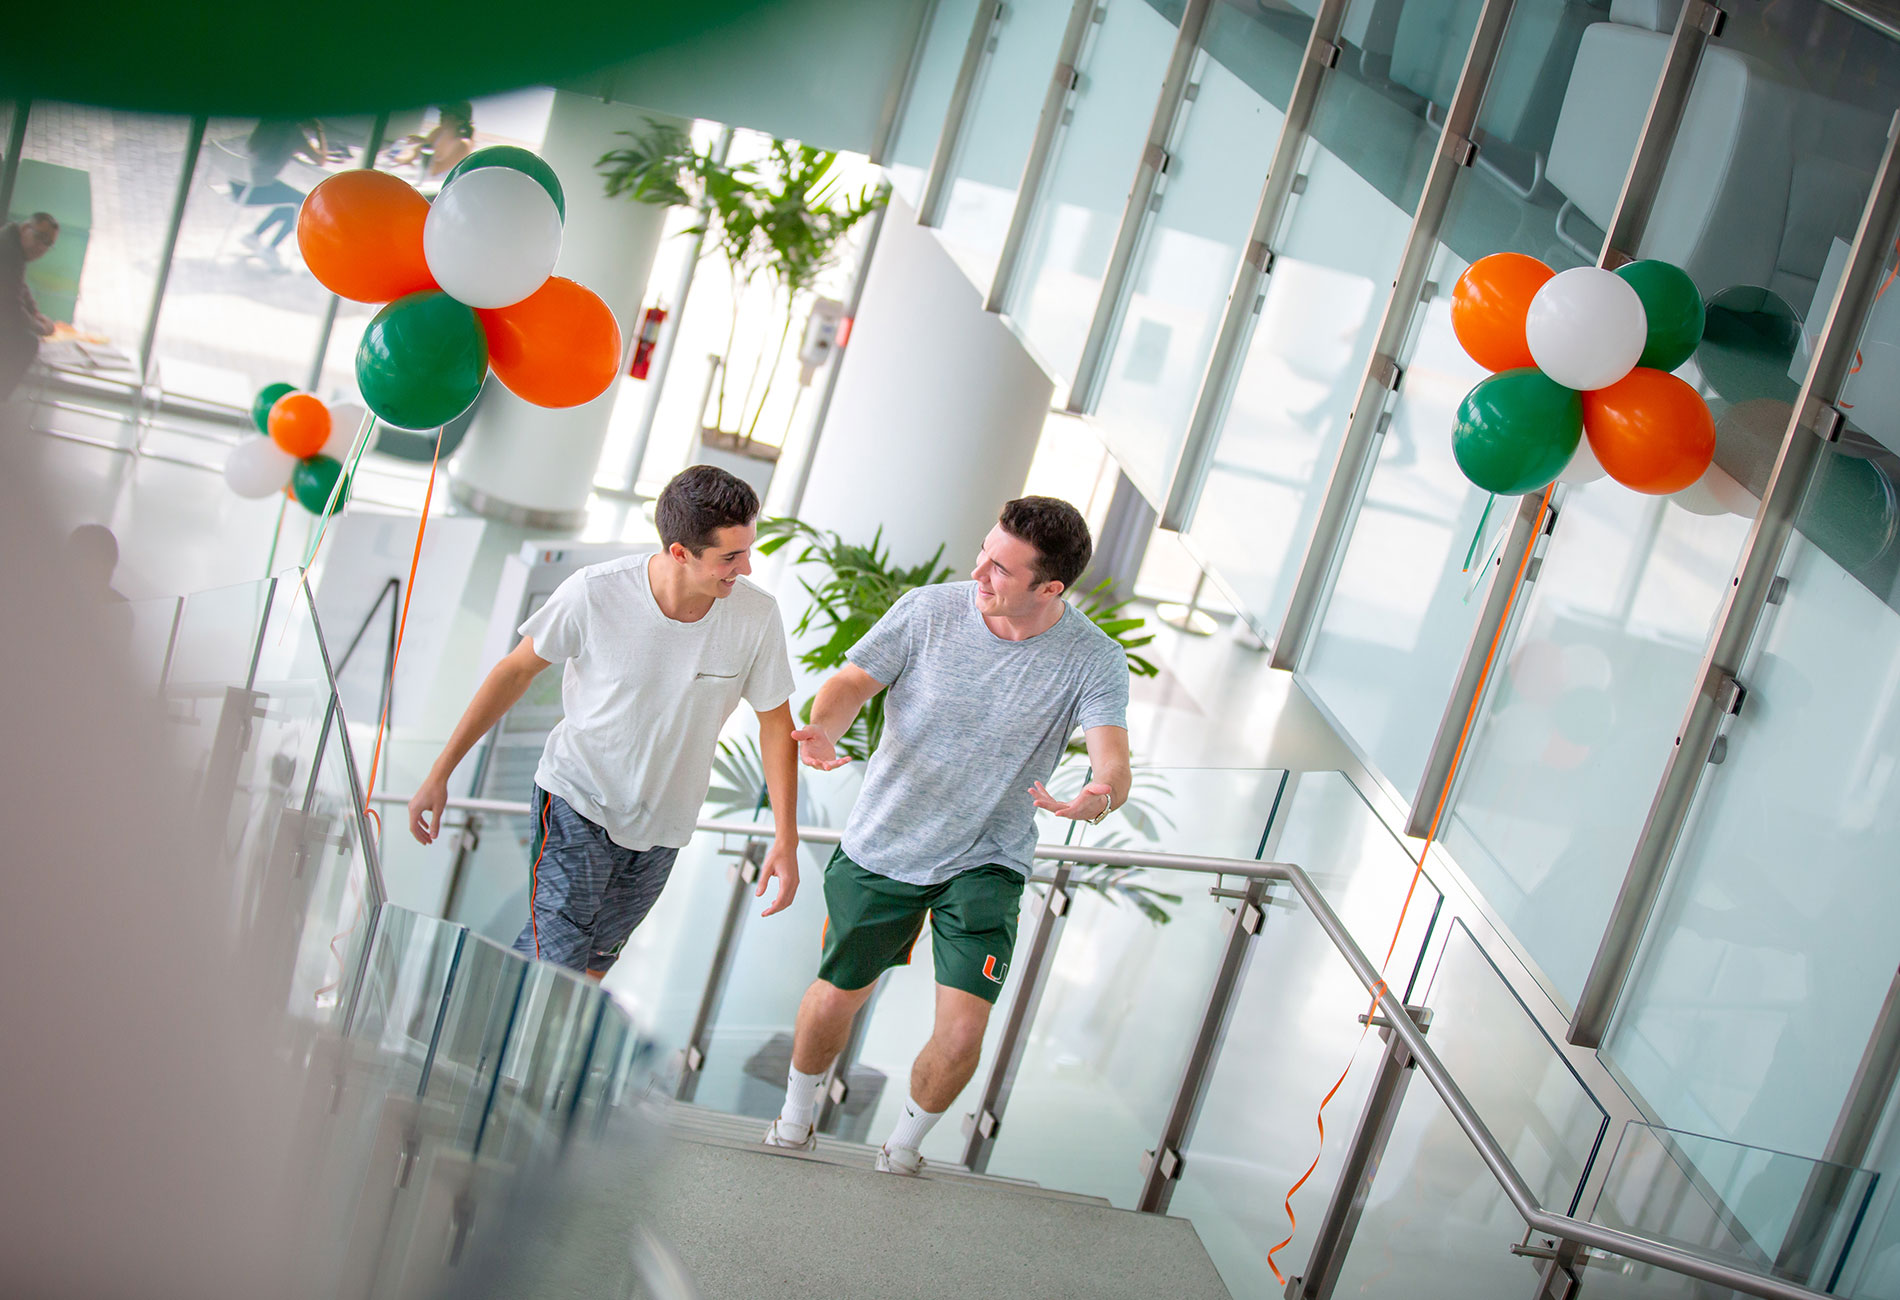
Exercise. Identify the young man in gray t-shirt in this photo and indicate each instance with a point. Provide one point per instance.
(988, 679)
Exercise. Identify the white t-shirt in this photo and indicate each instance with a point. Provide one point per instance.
(644, 697)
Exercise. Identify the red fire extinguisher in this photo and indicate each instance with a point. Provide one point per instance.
(649, 335)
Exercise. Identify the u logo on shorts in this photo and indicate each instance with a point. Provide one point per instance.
(994, 971)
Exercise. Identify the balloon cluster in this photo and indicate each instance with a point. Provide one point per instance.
(468, 283)
(301, 454)
(1580, 382)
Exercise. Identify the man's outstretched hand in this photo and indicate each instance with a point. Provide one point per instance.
(781, 863)
(815, 749)
(1092, 801)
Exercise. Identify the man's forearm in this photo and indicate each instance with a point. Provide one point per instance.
(835, 708)
(499, 692)
(780, 753)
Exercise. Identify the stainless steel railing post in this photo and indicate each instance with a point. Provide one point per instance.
(693, 1058)
(1333, 1241)
(1161, 1167)
(981, 1125)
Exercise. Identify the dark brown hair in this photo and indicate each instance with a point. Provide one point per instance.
(700, 501)
(1058, 532)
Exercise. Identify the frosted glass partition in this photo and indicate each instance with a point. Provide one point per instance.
(1079, 206)
(1129, 981)
(1335, 255)
(1565, 757)
(1005, 106)
(1436, 1225)
(1725, 1199)
(1766, 964)
(1195, 234)
(1294, 1028)
(915, 139)
(1411, 580)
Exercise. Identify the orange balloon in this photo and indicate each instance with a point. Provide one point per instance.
(559, 346)
(1489, 306)
(300, 424)
(360, 233)
(1651, 431)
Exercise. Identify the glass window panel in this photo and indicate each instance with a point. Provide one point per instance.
(1566, 755)
(1436, 1223)
(938, 63)
(1294, 1024)
(1079, 207)
(1335, 255)
(1005, 107)
(109, 177)
(1224, 138)
(241, 310)
(1411, 580)
(1125, 993)
(1748, 1013)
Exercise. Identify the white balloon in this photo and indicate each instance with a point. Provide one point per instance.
(1715, 493)
(1583, 467)
(346, 421)
(1586, 328)
(258, 467)
(492, 237)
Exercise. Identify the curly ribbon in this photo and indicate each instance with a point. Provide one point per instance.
(1381, 989)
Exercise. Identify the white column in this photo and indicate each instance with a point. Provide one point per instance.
(937, 412)
(523, 462)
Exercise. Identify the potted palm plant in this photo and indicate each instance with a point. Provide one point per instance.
(778, 222)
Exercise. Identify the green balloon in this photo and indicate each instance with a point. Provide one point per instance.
(1516, 431)
(515, 159)
(265, 399)
(312, 482)
(1674, 307)
(421, 361)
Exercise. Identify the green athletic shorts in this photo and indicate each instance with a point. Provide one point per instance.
(872, 921)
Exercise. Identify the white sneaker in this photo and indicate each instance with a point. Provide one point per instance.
(780, 1135)
(900, 1161)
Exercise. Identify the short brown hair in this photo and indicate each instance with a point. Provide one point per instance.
(700, 501)
(1058, 532)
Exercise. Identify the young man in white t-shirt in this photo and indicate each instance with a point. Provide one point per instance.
(656, 652)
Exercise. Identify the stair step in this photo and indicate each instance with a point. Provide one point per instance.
(716, 1128)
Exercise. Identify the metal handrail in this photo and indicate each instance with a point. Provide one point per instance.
(1644, 1250)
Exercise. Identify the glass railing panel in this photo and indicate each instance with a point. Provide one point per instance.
(217, 637)
(1436, 1223)
(1005, 106)
(1079, 206)
(1296, 1020)
(1195, 233)
(1765, 1210)
(935, 76)
(399, 1001)
(149, 641)
(333, 896)
(1335, 254)
(477, 1025)
(541, 1066)
(1128, 985)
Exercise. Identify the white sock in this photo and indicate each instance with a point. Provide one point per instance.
(911, 1126)
(801, 1101)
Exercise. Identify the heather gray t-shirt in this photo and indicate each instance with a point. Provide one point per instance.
(971, 721)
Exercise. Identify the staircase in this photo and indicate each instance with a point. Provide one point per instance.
(751, 1221)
